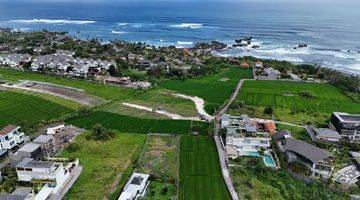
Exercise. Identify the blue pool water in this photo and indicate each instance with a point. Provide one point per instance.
(268, 160)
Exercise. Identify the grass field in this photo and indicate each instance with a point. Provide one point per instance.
(18, 108)
(160, 191)
(214, 89)
(102, 162)
(129, 124)
(291, 105)
(160, 157)
(154, 98)
(200, 173)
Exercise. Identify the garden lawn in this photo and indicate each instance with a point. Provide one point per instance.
(200, 173)
(214, 89)
(102, 162)
(129, 124)
(20, 108)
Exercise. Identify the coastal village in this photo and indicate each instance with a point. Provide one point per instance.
(239, 135)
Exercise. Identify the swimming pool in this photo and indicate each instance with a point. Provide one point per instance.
(268, 160)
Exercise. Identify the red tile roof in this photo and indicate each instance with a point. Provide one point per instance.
(7, 129)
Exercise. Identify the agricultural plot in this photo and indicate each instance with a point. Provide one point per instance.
(214, 89)
(129, 124)
(102, 162)
(112, 93)
(17, 108)
(160, 157)
(280, 94)
(200, 173)
(293, 102)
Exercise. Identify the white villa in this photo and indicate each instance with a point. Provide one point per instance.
(10, 136)
(52, 174)
(135, 187)
(242, 136)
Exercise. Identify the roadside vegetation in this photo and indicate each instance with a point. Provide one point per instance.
(102, 162)
(200, 172)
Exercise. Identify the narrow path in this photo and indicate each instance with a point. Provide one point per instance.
(199, 103)
(219, 146)
(289, 124)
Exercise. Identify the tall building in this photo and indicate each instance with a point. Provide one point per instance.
(347, 125)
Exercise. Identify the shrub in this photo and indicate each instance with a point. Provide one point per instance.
(269, 110)
(100, 133)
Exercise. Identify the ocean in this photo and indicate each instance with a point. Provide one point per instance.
(332, 31)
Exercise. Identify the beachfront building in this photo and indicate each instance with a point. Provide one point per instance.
(314, 158)
(135, 187)
(347, 125)
(10, 136)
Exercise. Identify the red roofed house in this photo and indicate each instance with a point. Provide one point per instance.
(244, 65)
(11, 137)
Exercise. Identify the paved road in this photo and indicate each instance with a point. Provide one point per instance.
(219, 146)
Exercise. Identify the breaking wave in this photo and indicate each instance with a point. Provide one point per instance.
(187, 25)
(52, 21)
(118, 32)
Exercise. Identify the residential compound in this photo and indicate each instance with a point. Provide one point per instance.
(61, 62)
(242, 136)
(10, 136)
(347, 125)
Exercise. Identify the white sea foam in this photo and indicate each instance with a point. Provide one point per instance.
(122, 24)
(52, 21)
(187, 25)
(183, 44)
(118, 32)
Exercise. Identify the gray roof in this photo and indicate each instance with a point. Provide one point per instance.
(43, 138)
(31, 163)
(19, 193)
(326, 132)
(29, 147)
(345, 117)
(313, 153)
(281, 134)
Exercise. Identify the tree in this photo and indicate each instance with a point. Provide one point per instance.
(113, 71)
(269, 110)
(100, 133)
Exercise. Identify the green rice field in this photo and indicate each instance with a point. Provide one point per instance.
(200, 173)
(287, 95)
(129, 124)
(18, 108)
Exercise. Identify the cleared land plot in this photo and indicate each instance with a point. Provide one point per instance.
(24, 108)
(74, 95)
(200, 173)
(160, 157)
(108, 92)
(102, 162)
(213, 89)
(129, 124)
(282, 94)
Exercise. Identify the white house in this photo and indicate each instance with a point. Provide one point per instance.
(135, 187)
(10, 136)
(51, 173)
(242, 136)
